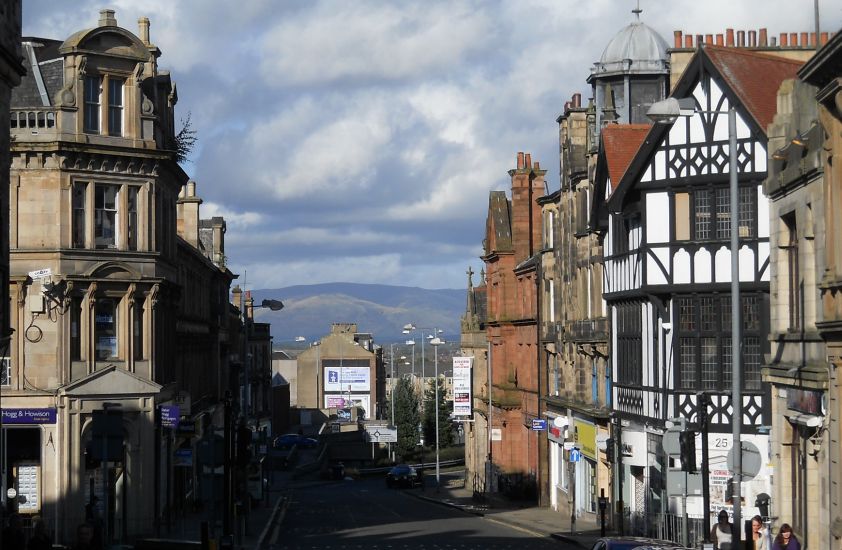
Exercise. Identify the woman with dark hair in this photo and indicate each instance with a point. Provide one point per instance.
(785, 539)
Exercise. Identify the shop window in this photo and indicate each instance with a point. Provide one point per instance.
(106, 329)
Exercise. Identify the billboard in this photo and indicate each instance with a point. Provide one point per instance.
(462, 386)
(340, 401)
(340, 378)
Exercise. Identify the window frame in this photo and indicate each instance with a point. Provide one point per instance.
(115, 110)
(101, 213)
(113, 332)
(92, 104)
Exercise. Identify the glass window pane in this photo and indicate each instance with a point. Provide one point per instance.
(723, 213)
(115, 107)
(710, 374)
(702, 208)
(91, 107)
(106, 329)
(79, 214)
(688, 363)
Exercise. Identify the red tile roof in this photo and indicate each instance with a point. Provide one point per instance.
(754, 77)
(621, 142)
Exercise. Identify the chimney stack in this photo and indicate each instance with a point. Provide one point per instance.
(187, 211)
(729, 38)
(752, 39)
(688, 41)
(677, 38)
(107, 19)
(741, 39)
(720, 40)
(143, 29)
(577, 100)
(237, 297)
(528, 161)
(520, 161)
(764, 38)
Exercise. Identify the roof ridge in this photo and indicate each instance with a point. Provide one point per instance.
(752, 53)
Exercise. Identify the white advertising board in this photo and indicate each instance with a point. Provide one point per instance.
(462, 386)
(343, 378)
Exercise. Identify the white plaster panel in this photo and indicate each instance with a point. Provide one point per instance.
(746, 264)
(760, 157)
(762, 256)
(762, 214)
(743, 131)
(702, 264)
(699, 94)
(697, 128)
(681, 267)
(657, 218)
(723, 265)
(647, 174)
(715, 92)
(659, 165)
(720, 128)
(654, 275)
(678, 132)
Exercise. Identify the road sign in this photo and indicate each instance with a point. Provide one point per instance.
(40, 274)
(751, 461)
(671, 444)
(496, 434)
(539, 424)
(381, 434)
(575, 455)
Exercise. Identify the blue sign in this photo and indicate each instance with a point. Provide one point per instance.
(170, 415)
(575, 455)
(333, 376)
(539, 424)
(29, 416)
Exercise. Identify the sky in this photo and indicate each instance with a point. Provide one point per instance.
(358, 140)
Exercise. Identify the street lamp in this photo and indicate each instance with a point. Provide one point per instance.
(436, 342)
(667, 111)
(319, 400)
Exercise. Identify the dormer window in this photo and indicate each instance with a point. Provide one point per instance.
(95, 86)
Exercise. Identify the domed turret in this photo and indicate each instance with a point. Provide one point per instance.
(633, 71)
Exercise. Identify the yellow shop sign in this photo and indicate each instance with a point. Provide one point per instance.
(585, 438)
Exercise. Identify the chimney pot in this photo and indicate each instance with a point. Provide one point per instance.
(577, 100)
(813, 39)
(763, 39)
(528, 160)
(520, 161)
(741, 39)
(709, 39)
(752, 39)
(700, 40)
(729, 38)
(784, 40)
(804, 40)
(191, 188)
(773, 41)
(793, 39)
(107, 19)
(824, 38)
(677, 38)
(720, 40)
(688, 41)
(537, 165)
(143, 29)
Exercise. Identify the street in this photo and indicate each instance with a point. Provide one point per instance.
(366, 514)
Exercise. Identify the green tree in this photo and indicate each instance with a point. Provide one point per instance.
(407, 416)
(444, 410)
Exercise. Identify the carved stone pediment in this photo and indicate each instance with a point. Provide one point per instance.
(111, 381)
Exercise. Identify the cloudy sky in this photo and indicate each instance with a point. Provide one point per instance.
(357, 140)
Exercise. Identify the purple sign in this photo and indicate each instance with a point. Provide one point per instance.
(169, 416)
(29, 416)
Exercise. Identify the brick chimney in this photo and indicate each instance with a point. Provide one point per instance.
(187, 209)
(527, 187)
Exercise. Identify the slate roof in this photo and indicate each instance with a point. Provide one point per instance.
(754, 77)
(50, 66)
(620, 143)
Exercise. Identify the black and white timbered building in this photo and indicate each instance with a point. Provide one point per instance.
(666, 216)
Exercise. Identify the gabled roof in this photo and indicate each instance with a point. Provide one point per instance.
(499, 224)
(754, 78)
(750, 81)
(620, 142)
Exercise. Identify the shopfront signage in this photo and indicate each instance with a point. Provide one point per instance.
(585, 438)
(805, 401)
(29, 416)
(539, 424)
(170, 414)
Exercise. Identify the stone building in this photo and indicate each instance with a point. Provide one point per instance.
(118, 307)
(511, 245)
(473, 343)
(804, 192)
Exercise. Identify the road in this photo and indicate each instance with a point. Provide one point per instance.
(366, 515)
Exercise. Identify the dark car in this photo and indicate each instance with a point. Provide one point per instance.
(403, 475)
(286, 441)
(630, 543)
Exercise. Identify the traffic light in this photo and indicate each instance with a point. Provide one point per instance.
(609, 450)
(687, 444)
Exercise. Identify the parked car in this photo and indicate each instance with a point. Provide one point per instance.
(631, 543)
(288, 441)
(404, 475)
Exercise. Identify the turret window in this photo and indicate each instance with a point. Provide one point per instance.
(115, 107)
(92, 105)
(112, 87)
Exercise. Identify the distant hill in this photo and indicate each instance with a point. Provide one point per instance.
(382, 310)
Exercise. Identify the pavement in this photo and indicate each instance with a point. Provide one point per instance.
(538, 520)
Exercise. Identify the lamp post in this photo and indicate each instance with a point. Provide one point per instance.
(436, 342)
(319, 385)
(666, 112)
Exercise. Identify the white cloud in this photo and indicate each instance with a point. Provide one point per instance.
(233, 220)
(372, 40)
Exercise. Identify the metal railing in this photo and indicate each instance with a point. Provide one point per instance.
(665, 527)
